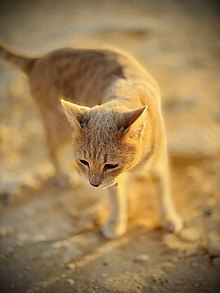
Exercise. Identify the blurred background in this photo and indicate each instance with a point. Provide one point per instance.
(178, 43)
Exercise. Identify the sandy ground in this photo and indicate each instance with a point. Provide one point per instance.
(50, 238)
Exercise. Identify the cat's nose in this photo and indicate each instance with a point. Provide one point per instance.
(94, 181)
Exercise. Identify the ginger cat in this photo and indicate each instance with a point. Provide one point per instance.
(116, 126)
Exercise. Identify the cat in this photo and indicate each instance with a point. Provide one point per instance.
(113, 113)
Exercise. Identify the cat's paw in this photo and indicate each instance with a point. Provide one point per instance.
(173, 223)
(113, 229)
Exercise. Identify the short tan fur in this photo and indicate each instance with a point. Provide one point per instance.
(114, 116)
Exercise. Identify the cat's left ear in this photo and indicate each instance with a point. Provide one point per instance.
(74, 113)
(129, 119)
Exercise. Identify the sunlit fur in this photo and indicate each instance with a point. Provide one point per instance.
(100, 141)
(114, 112)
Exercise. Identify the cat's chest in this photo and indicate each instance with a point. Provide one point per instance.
(145, 166)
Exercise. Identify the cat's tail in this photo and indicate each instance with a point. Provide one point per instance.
(22, 62)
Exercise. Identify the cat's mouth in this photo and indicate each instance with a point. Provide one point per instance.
(103, 185)
(111, 184)
(107, 185)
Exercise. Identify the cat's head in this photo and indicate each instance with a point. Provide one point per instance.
(106, 142)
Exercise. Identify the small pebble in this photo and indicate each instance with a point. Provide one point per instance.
(158, 279)
(197, 284)
(71, 281)
(167, 265)
(71, 266)
(142, 258)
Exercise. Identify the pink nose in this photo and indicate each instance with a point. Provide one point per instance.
(94, 181)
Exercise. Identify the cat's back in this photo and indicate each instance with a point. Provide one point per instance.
(75, 73)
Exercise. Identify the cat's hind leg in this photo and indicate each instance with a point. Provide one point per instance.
(60, 154)
(171, 220)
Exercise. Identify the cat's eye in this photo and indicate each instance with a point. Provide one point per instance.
(110, 166)
(84, 162)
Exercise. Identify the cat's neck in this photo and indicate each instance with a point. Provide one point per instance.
(125, 94)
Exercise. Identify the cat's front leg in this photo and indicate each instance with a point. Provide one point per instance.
(116, 223)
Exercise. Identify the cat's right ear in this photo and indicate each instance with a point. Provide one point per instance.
(74, 113)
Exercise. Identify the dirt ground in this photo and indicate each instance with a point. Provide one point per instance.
(50, 237)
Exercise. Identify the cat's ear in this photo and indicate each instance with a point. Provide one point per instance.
(74, 113)
(129, 118)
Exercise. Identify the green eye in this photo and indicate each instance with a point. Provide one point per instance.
(110, 166)
(84, 162)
